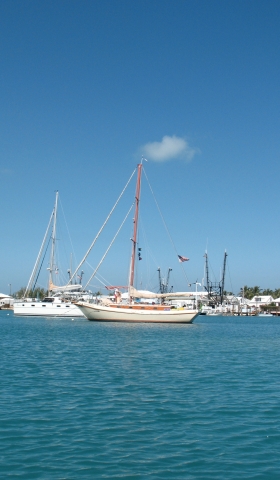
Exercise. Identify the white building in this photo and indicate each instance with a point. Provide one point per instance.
(261, 300)
(6, 301)
(277, 301)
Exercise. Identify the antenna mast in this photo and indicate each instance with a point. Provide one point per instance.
(223, 277)
(135, 220)
(160, 280)
(215, 290)
(53, 238)
(167, 280)
(163, 286)
(207, 272)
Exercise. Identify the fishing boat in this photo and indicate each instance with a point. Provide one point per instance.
(59, 302)
(137, 309)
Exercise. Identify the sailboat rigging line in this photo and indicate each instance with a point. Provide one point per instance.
(99, 275)
(30, 281)
(53, 240)
(166, 228)
(98, 234)
(185, 275)
(212, 271)
(229, 277)
(164, 223)
(39, 271)
(95, 286)
(101, 281)
(67, 229)
(114, 238)
(147, 249)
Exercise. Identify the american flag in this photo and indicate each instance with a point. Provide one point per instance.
(182, 259)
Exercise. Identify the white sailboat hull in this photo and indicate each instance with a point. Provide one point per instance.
(45, 309)
(120, 314)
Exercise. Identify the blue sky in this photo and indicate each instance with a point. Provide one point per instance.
(87, 87)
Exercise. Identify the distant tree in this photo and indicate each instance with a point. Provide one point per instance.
(276, 293)
(268, 291)
(227, 293)
(38, 292)
(20, 292)
(250, 292)
(245, 292)
(256, 291)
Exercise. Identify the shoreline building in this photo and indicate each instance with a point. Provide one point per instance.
(6, 301)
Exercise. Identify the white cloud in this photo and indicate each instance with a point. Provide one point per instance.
(168, 149)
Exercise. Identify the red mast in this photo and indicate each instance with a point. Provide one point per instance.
(134, 239)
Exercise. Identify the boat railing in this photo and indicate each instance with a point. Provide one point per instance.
(27, 300)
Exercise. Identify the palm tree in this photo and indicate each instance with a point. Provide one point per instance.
(256, 291)
(38, 292)
(268, 291)
(246, 292)
(276, 293)
(250, 292)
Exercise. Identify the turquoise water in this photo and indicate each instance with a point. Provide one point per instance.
(83, 400)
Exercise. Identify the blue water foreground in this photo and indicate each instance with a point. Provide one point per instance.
(84, 400)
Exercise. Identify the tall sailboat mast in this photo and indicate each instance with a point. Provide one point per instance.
(53, 240)
(133, 311)
(207, 274)
(134, 239)
(223, 277)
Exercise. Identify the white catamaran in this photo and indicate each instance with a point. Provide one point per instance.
(58, 303)
(135, 311)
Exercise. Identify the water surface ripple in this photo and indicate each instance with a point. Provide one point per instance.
(83, 400)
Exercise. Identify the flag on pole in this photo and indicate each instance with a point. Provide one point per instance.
(182, 259)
